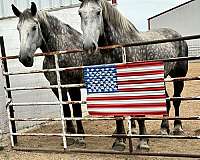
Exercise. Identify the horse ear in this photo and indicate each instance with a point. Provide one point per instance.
(15, 10)
(33, 9)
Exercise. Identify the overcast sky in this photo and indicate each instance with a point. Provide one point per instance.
(138, 11)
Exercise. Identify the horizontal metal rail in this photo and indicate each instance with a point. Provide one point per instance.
(113, 46)
(83, 85)
(85, 102)
(81, 67)
(106, 135)
(181, 79)
(183, 98)
(106, 118)
(46, 53)
(45, 87)
(43, 70)
(46, 103)
(135, 153)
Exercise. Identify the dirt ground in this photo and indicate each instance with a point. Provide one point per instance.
(188, 108)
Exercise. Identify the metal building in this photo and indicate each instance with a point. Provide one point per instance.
(184, 19)
(5, 9)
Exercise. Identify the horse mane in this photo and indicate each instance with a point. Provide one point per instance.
(43, 18)
(42, 15)
(114, 16)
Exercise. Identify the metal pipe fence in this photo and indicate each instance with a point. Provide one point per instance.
(84, 102)
(62, 119)
(107, 118)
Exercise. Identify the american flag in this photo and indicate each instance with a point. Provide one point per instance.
(126, 89)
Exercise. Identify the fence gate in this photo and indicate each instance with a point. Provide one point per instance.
(59, 133)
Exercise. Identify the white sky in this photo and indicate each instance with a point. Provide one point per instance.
(138, 11)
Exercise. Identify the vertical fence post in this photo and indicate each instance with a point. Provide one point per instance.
(129, 118)
(9, 95)
(60, 100)
(123, 55)
(12, 138)
(130, 134)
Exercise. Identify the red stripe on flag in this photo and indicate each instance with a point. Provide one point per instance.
(125, 97)
(140, 64)
(134, 105)
(138, 114)
(126, 74)
(140, 81)
(141, 89)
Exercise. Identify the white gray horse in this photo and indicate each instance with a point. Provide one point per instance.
(39, 29)
(102, 24)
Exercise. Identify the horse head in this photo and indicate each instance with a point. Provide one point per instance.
(29, 32)
(92, 25)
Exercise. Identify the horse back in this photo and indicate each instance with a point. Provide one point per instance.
(166, 50)
(167, 33)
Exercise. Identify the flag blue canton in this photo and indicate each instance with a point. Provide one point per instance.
(100, 79)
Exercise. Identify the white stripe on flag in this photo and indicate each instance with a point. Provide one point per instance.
(140, 69)
(141, 85)
(118, 110)
(135, 101)
(140, 77)
(162, 92)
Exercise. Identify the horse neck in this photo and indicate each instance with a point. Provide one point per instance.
(117, 29)
(55, 33)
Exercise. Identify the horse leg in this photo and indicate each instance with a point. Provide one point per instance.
(133, 127)
(180, 70)
(120, 143)
(178, 87)
(75, 95)
(143, 145)
(164, 130)
(67, 113)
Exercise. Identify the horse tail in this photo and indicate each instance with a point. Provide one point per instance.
(183, 51)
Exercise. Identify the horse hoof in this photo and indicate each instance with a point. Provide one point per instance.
(80, 143)
(133, 130)
(178, 131)
(70, 141)
(163, 131)
(143, 146)
(119, 145)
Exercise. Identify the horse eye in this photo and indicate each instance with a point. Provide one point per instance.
(98, 13)
(34, 28)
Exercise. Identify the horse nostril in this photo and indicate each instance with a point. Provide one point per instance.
(90, 46)
(19, 57)
(94, 47)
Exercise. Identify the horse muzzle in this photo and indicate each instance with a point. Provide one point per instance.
(26, 61)
(92, 46)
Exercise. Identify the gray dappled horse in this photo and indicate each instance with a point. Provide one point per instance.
(102, 25)
(38, 29)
